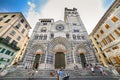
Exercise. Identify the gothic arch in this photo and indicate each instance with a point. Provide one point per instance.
(38, 47)
(81, 48)
(60, 41)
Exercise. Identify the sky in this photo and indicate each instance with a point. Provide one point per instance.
(90, 11)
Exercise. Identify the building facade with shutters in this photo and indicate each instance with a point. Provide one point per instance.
(59, 44)
(13, 37)
(106, 36)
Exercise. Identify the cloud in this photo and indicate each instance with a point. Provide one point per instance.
(32, 5)
(90, 11)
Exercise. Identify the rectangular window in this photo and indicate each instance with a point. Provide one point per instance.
(18, 25)
(7, 20)
(116, 32)
(5, 16)
(7, 39)
(112, 37)
(22, 20)
(18, 38)
(114, 19)
(116, 47)
(8, 52)
(119, 28)
(12, 54)
(101, 31)
(13, 16)
(12, 33)
(26, 26)
(107, 26)
(8, 60)
(97, 35)
(23, 30)
(3, 50)
(104, 41)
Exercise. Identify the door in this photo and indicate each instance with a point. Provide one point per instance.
(83, 60)
(59, 60)
(36, 61)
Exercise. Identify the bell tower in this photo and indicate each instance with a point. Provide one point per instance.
(72, 17)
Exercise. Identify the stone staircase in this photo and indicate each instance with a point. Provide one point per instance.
(22, 74)
(52, 78)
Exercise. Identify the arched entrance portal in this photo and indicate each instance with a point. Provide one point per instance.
(60, 56)
(83, 60)
(59, 60)
(81, 52)
(37, 59)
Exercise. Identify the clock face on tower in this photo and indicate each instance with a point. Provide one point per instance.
(60, 27)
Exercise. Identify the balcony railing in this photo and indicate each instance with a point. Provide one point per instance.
(6, 42)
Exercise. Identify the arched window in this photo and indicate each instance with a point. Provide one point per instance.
(41, 37)
(78, 37)
(67, 36)
(83, 37)
(52, 35)
(36, 37)
(74, 36)
(44, 29)
(45, 37)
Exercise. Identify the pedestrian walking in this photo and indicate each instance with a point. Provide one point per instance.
(60, 74)
(101, 70)
(93, 71)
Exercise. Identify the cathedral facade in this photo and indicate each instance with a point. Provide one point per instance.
(59, 44)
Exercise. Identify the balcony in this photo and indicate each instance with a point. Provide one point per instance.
(6, 42)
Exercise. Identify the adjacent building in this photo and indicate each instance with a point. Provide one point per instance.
(13, 37)
(106, 36)
(59, 44)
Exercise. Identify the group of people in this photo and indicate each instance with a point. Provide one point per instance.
(93, 68)
(59, 74)
(99, 68)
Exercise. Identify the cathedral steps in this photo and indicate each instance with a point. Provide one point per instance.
(82, 74)
(51, 78)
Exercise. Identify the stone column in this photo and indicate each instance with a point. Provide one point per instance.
(45, 59)
(73, 55)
